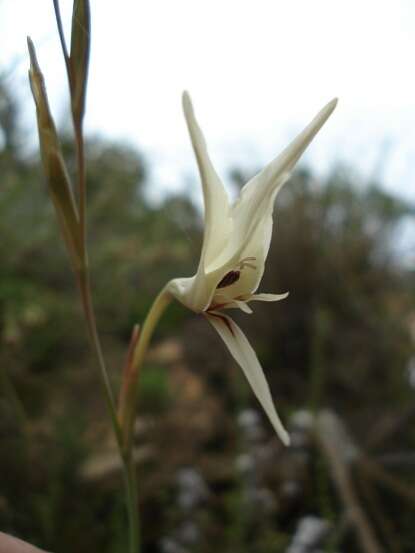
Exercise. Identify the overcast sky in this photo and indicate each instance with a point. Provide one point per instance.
(257, 72)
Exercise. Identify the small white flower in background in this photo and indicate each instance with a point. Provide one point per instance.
(235, 246)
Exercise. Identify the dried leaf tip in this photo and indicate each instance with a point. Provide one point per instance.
(37, 84)
(187, 103)
(53, 164)
(32, 53)
(79, 56)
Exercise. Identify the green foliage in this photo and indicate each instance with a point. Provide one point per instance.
(154, 395)
(341, 340)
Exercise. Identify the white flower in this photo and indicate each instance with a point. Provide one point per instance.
(235, 246)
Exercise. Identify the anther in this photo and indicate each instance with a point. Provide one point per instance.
(233, 276)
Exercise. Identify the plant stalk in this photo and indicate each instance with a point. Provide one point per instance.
(127, 407)
(126, 457)
(80, 155)
(84, 284)
(132, 503)
(85, 291)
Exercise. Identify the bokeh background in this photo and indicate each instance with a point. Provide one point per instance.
(338, 353)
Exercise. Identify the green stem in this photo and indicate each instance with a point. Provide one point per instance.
(128, 402)
(126, 457)
(61, 34)
(132, 503)
(127, 410)
(85, 291)
(83, 280)
(80, 154)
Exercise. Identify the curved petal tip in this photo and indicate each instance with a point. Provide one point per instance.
(329, 108)
(285, 437)
(186, 101)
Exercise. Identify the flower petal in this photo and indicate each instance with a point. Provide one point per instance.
(257, 248)
(232, 235)
(245, 356)
(238, 304)
(259, 193)
(268, 297)
(218, 224)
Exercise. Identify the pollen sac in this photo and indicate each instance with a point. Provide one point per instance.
(229, 278)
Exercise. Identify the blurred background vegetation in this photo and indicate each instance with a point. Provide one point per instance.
(338, 353)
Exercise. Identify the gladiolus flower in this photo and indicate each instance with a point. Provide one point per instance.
(235, 246)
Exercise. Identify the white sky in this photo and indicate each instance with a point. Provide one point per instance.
(257, 72)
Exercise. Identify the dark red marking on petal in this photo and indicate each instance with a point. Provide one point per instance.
(216, 306)
(225, 320)
(229, 278)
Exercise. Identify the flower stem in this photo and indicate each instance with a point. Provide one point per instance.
(127, 407)
(127, 410)
(126, 456)
(132, 503)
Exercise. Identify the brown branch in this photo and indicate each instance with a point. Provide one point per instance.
(384, 524)
(338, 449)
(388, 428)
(375, 471)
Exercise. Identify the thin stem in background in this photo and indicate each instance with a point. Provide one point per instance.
(61, 34)
(334, 441)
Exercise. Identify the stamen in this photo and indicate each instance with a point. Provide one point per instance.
(250, 265)
(245, 263)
